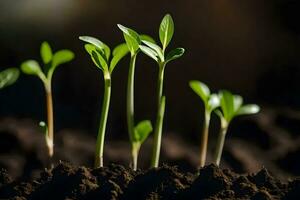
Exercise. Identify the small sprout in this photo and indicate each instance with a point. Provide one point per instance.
(211, 102)
(51, 62)
(8, 77)
(133, 40)
(157, 53)
(100, 55)
(231, 107)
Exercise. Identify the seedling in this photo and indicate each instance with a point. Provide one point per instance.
(157, 53)
(100, 55)
(231, 107)
(211, 102)
(137, 134)
(51, 62)
(8, 77)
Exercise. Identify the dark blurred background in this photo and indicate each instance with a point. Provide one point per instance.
(250, 47)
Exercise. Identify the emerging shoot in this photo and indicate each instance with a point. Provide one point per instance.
(143, 129)
(100, 55)
(157, 53)
(51, 62)
(231, 107)
(8, 77)
(211, 102)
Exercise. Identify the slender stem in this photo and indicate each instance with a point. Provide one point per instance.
(50, 121)
(103, 120)
(158, 133)
(220, 142)
(130, 97)
(160, 84)
(130, 106)
(204, 139)
(159, 118)
(135, 154)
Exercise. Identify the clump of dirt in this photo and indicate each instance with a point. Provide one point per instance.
(66, 182)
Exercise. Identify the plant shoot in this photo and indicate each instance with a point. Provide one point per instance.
(211, 102)
(50, 62)
(231, 106)
(100, 55)
(157, 53)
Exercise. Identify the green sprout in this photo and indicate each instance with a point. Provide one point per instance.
(231, 106)
(8, 77)
(51, 62)
(157, 53)
(211, 102)
(100, 55)
(139, 133)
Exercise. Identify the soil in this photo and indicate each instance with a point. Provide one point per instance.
(67, 182)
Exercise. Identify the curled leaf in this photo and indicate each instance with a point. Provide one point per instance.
(149, 52)
(131, 37)
(97, 43)
(174, 54)
(142, 131)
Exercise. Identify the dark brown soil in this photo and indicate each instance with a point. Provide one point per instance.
(116, 182)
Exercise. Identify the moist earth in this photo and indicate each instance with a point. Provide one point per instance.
(68, 182)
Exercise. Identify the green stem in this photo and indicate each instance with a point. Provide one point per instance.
(204, 140)
(103, 120)
(220, 142)
(50, 121)
(130, 105)
(158, 133)
(159, 118)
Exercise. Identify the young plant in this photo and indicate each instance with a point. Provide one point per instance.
(157, 53)
(211, 102)
(100, 55)
(8, 77)
(231, 107)
(139, 133)
(50, 62)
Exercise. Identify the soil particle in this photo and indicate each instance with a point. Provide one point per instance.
(115, 182)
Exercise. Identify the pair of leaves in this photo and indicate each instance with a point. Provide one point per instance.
(232, 106)
(51, 62)
(8, 77)
(211, 101)
(142, 131)
(100, 53)
(166, 31)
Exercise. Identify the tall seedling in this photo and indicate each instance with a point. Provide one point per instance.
(137, 133)
(50, 63)
(100, 55)
(157, 53)
(231, 107)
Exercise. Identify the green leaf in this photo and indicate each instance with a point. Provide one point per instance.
(237, 102)
(213, 102)
(46, 52)
(142, 130)
(174, 54)
(149, 52)
(31, 67)
(131, 37)
(8, 77)
(89, 48)
(248, 109)
(166, 30)
(61, 57)
(99, 60)
(201, 90)
(227, 104)
(156, 48)
(147, 38)
(118, 53)
(97, 43)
